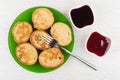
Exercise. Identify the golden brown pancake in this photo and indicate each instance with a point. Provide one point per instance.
(62, 33)
(51, 58)
(26, 54)
(36, 40)
(21, 32)
(42, 18)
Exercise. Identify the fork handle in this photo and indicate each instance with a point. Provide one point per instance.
(81, 59)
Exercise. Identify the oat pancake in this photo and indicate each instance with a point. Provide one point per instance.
(26, 54)
(51, 58)
(42, 18)
(37, 40)
(21, 32)
(62, 33)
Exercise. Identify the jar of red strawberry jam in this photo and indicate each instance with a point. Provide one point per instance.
(98, 44)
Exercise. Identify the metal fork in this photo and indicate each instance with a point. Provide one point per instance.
(53, 43)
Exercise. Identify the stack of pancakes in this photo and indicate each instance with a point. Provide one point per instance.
(29, 40)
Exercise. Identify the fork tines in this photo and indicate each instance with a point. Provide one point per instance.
(49, 40)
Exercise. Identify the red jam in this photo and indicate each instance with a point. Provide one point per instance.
(98, 44)
(82, 16)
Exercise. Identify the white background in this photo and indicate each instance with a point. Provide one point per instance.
(107, 22)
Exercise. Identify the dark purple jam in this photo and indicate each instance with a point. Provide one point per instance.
(82, 16)
(98, 44)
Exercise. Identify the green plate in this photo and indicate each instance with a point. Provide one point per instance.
(26, 16)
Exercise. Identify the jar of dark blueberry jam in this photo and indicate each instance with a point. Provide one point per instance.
(82, 16)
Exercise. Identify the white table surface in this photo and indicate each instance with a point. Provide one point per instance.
(107, 22)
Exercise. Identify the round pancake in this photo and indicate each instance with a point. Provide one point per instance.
(21, 32)
(36, 40)
(62, 33)
(42, 18)
(26, 54)
(51, 58)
